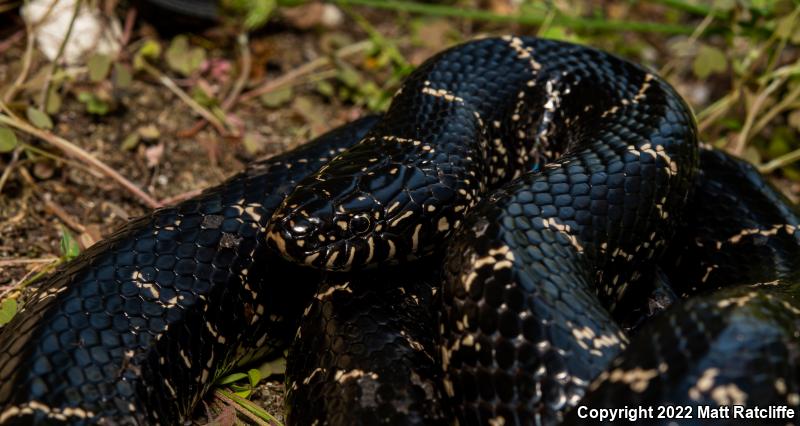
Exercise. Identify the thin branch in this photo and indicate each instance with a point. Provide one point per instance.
(781, 161)
(62, 214)
(304, 69)
(54, 63)
(785, 103)
(51, 205)
(236, 90)
(196, 107)
(223, 396)
(72, 163)
(26, 66)
(130, 21)
(35, 274)
(20, 261)
(247, 64)
(709, 115)
(9, 167)
(28, 56)
(252, 411)
(752, 111)
(709, 18)
(75, 151)
(310, 78)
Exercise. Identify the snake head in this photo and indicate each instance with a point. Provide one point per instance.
(347, 216)
(326, 233)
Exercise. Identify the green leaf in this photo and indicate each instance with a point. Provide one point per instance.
(183, 58)
(202, 97)
(39, 118)
(781, 141)
(131, 141)
(8, 140)
(99, 65)
(218, 112)
(8, 308)
(709, 60)
(560, 33)
(230, 378)
(273, 367)
(349, 76)
(97, 106)
(53, 103)
(69, 245)
(150, 50)
(122, 76)
(254, 376)
(243, 393)
(94, 105)
(258, 12)
(325, 88)
(277, 97)
(253, 142)
(149, 132)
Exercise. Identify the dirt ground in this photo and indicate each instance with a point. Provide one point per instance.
(43, 194)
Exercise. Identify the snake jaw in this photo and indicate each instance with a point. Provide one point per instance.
(330, 235)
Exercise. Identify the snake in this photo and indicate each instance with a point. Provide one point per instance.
(468, 256)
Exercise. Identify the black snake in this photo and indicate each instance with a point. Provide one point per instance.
(559, 187)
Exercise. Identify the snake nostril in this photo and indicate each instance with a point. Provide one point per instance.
(359, 224)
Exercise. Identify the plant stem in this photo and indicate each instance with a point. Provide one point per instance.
(26, 66)
(782, 161)
(304, 69)
(196, 107)
(781, 106)
(253, 412)
(17, 261)
(752, 111)
(244, 72)
(54, 63)
(710, 114)
(482, 15)
(10, 167)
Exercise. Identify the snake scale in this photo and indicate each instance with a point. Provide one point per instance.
(485, 252)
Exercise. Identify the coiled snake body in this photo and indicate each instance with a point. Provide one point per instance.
(556, 176)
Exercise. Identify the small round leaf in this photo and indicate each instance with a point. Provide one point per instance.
(8, 140)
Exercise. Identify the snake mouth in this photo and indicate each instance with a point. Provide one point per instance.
(314, 235)
(297, 239)
(334, 256)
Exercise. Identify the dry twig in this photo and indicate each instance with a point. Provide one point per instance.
(304, 69)
(75, 151)
(196, 107)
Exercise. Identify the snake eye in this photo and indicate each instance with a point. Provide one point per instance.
(359, 224)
